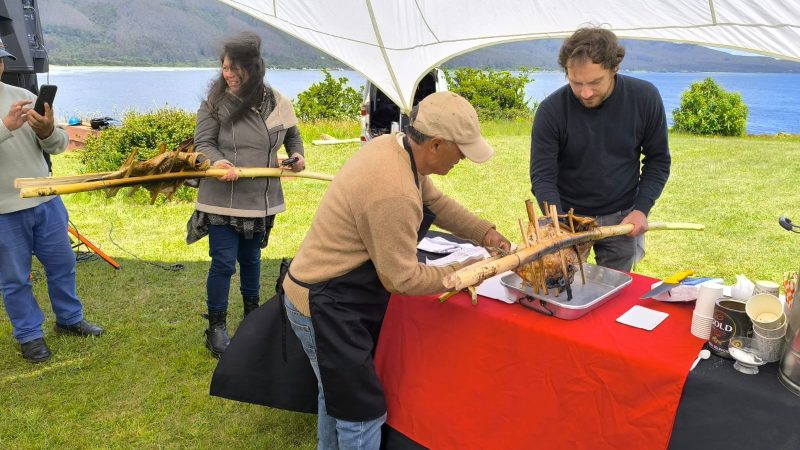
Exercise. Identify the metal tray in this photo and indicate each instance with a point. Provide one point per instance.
(602, 284)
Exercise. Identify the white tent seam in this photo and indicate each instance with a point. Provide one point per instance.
(245, 8)
(386, 59)
(712, 11)
(425, 21)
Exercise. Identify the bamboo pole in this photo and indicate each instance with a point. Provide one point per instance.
(531, 210)
(577, 251)
(124, 172)
(244, 172)
(538, 233)
(20, 183)
(557, 231)
(527, 243)
(476, 273)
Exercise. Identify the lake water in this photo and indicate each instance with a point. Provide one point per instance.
(87, 92)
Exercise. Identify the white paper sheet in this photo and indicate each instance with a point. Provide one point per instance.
(641, 317)
(492, 288)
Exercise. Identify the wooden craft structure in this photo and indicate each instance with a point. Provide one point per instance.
(547, 251)
(554, 271)
(162, 174)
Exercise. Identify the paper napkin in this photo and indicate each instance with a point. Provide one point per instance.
(641, 317)
(493, 288)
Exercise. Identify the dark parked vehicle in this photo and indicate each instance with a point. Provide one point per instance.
(380, 115)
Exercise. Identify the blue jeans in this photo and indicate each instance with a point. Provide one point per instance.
(332, 433)
(226, 246)
(40, 231)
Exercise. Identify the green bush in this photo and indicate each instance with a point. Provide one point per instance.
(144, 132)
(707, 109)
(494, 94)
(329, 99)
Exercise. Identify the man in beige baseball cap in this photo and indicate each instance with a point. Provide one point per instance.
(451, 117)
(362, 246)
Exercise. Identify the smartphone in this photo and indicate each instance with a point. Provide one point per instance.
(289, 161)
(47, 93)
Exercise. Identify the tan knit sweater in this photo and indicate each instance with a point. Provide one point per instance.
(371, 211)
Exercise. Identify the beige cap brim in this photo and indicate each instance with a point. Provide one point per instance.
(478, 152)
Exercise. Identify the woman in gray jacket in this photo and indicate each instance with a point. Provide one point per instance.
(242, 123)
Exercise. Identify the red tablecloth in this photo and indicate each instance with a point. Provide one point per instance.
(499, 376)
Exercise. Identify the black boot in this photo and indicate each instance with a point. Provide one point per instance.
(217, 338)
(250, 304)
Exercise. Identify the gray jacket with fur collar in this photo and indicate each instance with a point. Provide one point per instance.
(249, 142)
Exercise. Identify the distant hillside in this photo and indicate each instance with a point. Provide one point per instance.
(639, 55)
(159, 33)
(188, 33)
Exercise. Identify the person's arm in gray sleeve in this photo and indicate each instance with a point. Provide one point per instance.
(294, 148)
(51, 138)
(56, 143)
(293, 142)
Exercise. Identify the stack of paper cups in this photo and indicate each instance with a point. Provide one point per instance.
(707, 297)
(769, 325)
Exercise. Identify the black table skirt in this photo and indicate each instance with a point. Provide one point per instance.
(392, 439)
(724, 409)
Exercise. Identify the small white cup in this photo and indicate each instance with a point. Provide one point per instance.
(766, 287)
(707, 297)
(766, 310)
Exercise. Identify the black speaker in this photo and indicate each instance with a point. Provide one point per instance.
(21, 32)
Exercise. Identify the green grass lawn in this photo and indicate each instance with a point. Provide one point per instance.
(144, 384)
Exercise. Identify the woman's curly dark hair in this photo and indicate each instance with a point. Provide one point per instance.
(243, 51)
(597, 45)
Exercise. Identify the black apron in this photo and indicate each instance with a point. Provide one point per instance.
(347, 313)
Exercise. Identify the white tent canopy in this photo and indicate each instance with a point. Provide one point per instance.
(394, 43)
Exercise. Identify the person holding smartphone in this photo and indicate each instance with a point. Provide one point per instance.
(34, 226)
(243, 122)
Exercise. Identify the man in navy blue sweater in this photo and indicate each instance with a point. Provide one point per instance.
(599, 144)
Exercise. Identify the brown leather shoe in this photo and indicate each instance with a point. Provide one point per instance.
(35, 351)
(82, 328)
